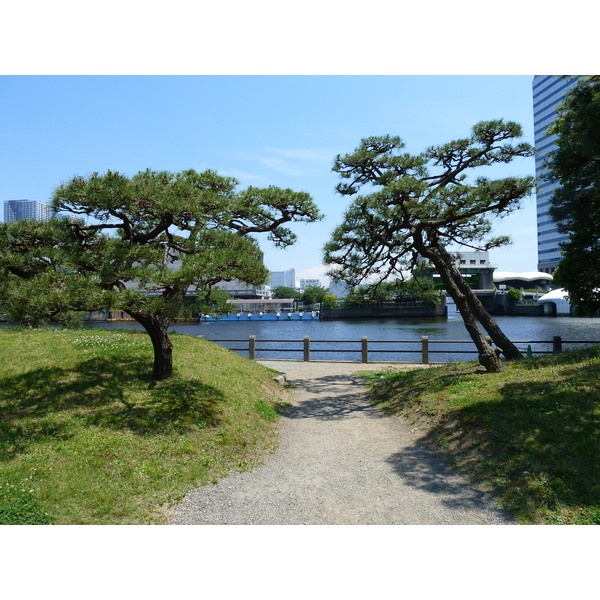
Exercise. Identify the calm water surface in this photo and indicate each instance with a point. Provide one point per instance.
(347, 334)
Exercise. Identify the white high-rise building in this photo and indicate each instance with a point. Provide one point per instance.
(548, 93)
(304, 283)
(16, 210)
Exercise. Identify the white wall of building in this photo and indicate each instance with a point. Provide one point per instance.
(304, 283)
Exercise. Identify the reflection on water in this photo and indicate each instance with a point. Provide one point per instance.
(349, 333)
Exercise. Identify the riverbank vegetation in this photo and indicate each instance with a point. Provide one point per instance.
(87, 437)
(530, 433)
(415, 289)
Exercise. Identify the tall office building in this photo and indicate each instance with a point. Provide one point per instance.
(283, 278)
(16, 210)
(339, 289)
(548, 93)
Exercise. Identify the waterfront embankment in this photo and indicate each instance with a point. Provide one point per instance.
(436, 329)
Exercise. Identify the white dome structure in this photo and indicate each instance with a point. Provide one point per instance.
(559, 298)
(523, 280)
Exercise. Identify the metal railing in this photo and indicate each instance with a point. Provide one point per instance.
(365, 346)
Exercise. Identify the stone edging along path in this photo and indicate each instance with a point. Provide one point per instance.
(340, 462)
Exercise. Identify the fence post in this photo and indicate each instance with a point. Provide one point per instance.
(252, 347)
(365, 349)
(556, 344)
(306, 348)
(425, 349)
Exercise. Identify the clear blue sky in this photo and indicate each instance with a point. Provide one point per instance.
(264, 130)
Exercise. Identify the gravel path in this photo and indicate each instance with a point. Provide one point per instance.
(340, 461)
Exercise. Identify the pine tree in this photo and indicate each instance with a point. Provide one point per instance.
(416, 205)
(141, 244)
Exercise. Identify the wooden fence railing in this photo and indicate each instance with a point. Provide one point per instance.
(365, 347)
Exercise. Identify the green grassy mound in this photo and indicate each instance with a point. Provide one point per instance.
(530, 433)
(87, 438)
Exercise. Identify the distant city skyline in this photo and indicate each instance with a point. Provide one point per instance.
(263, 130)
(18, 210)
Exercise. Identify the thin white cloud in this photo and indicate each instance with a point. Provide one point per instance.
(295, 161)
(284, 167)
(318, 272)
(243, 175)
(311, 155)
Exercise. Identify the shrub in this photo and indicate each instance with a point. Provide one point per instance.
(514, 295)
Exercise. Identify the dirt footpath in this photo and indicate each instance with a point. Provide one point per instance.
(340, 461)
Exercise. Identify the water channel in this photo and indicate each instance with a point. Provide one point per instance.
(347, 335)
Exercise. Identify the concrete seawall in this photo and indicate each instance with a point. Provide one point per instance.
(383, 311)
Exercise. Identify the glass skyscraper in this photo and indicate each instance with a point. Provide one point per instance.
(15, 210)
(548, 93)
(283, 278)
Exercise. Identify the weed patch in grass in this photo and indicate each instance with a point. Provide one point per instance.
(19, 505)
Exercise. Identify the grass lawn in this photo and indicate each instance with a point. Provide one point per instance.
(87, 438)
(530, 433)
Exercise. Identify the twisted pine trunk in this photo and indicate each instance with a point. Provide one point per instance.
(510, 351)
(506, 347)
(163, 349)
(488, 357)
(468, 304)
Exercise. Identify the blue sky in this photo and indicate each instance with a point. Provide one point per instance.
(264, 130)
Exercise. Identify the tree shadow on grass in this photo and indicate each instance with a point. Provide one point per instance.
(47, 402)
(539, 445)
(173, 405)
(392, 395)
